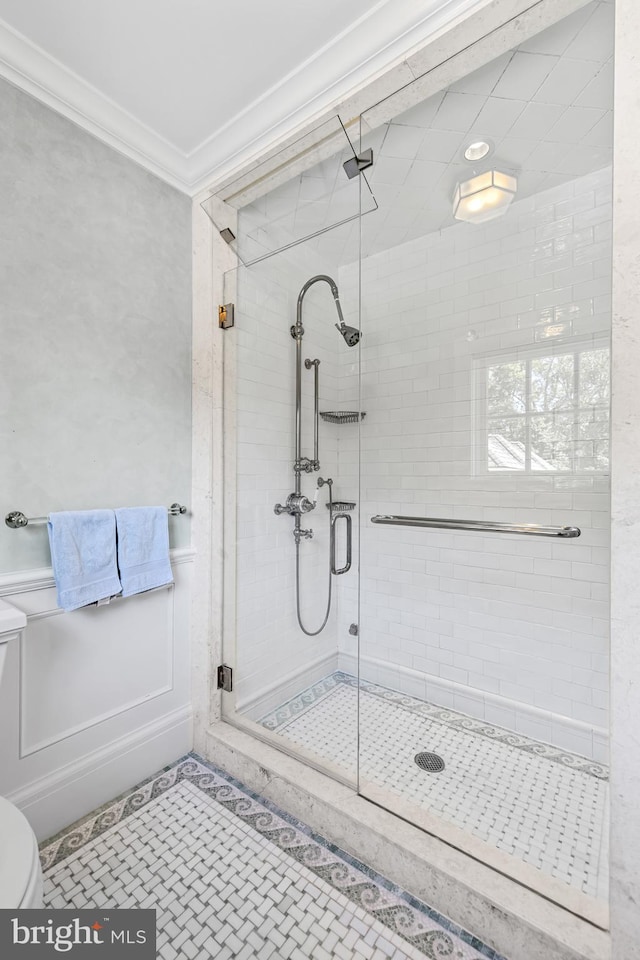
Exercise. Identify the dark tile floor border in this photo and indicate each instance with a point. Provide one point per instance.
(400, 912)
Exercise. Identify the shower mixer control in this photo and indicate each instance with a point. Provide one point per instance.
(299, 535)
(296, 505)
(305, 465)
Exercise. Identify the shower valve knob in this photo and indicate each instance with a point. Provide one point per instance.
(296, 505)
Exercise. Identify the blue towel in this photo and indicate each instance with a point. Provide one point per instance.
(83, 556)
(143, 548)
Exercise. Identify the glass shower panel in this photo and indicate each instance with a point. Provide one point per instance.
(291, 382)
(309, 195)
(483, 658)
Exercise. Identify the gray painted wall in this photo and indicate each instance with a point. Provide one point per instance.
(95, 329)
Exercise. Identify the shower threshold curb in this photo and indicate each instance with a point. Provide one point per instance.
(512, 919)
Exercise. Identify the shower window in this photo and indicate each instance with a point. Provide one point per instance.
(545, 412)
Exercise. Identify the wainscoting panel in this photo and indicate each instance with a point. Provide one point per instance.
(79, 669)
(92, 701)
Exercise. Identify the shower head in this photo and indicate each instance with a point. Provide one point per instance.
(351, 334)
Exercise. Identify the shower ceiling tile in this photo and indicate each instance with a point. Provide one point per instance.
(602, 134)
(425, 173)
(498, 116)
(547, 156)
(566, 81)
(400, 217)
(536, 120)
(390, 170)
(483, 81)
(514, 151)
(386, 194)
(556, 39)
(422, 114)
(574, 124)
(524, 75)
(458, 111)
(440, 145)
(402, 141)
(311, 188)
(595, 40)
(598, 93)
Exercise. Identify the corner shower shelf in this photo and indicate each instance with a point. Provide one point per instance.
(341, 506)
(342, 416)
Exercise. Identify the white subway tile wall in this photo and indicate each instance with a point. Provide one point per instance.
(270, 645)
(464, 334)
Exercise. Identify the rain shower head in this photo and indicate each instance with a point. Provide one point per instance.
(351, 334)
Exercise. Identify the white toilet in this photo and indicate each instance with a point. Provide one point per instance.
(20, 872)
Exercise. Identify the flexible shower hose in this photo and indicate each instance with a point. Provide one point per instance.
(314, 633)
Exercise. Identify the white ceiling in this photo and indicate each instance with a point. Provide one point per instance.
(546, 107)
(187, 86)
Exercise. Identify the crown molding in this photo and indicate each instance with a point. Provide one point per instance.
(385, 38)
(33, 70)
(392, 30)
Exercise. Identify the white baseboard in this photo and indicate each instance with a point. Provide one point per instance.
(530, 721)
(64, 796)
(258, 704)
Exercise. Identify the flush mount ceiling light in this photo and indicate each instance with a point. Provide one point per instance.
(477, 150)
(484, 196)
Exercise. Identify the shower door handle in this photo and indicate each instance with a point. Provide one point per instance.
(347, 566)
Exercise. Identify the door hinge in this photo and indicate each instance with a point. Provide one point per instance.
(226, 316)
(225, 678)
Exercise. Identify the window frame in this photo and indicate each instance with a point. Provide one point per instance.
(526, 355)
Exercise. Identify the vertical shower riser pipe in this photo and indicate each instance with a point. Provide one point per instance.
(316, 409)
(298, 471)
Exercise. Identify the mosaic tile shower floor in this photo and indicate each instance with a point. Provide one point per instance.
(231, 876)
(544, 805)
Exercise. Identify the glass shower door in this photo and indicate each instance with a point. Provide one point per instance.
(484, 489)
(291, 381)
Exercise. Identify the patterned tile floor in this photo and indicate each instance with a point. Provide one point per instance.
(539, 803)
(231, 876)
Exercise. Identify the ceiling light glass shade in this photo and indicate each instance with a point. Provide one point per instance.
(484, 197)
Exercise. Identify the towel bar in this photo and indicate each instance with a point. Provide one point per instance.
(17, 519)
(531, 529)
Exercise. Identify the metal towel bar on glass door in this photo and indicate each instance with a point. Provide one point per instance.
(482, 526)
(17, 519)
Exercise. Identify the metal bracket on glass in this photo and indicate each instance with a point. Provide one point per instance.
(358, 164)
(481, 526)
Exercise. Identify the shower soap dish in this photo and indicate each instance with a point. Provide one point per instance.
(342, 416)
(341, 506)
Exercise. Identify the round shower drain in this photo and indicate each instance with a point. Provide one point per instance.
(430, 762)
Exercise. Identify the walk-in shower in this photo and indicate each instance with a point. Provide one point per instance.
(297, 504)
(472, 623)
